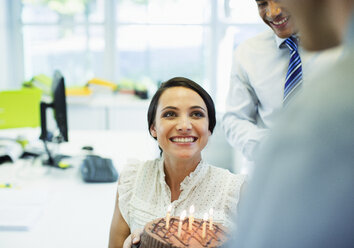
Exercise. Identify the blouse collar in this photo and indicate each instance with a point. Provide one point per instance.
(189, 181)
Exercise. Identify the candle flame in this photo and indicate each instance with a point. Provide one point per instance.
(191, 209)
(205, 218)
(169, 208)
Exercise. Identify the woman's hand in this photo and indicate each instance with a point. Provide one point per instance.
(133, 238)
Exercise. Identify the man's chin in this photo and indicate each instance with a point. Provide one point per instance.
(283, 33)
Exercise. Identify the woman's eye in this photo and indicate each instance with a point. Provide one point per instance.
(169, 114)
(198, 114)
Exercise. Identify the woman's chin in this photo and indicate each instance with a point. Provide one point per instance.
(187, 155)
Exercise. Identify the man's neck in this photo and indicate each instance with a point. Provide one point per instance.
(279, 41)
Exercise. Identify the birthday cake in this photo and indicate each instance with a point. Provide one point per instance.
(158, 236)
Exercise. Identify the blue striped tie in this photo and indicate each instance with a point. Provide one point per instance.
(294, 75)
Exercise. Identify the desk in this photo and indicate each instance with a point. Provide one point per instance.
(78, 214)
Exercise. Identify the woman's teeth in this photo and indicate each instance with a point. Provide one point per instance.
(183, 140)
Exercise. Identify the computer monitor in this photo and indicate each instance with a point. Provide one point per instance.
(58, 105)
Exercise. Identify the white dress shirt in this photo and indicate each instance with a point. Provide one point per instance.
(257, 86)
(145, 196)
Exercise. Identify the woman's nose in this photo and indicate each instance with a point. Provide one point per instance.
(184, 124)
(273, 9)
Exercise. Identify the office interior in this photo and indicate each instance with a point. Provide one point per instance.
(107, 51)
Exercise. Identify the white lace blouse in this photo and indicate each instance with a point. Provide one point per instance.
(145, 196)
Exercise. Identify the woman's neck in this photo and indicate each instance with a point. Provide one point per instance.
(176, 171)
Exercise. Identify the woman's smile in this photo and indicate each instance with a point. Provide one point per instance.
(183, 139)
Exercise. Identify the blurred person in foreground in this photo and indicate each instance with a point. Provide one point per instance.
(302, 190)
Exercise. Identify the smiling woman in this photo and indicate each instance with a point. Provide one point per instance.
(181, 124)
(181, 118)
(209, 108)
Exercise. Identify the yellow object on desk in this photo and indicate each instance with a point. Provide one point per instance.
(101, 82)
(78, 91)
(63, 165)
(5, 185)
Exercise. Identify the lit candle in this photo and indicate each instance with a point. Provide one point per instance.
(204, 225)
(168, 216)
(211, 219)
(191, 218)
(183, 215)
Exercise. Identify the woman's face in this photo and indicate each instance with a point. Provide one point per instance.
(181, 124)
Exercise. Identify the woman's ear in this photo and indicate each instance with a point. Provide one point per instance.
(153, 131)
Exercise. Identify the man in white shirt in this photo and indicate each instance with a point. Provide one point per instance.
(301, 192)
(258, 76)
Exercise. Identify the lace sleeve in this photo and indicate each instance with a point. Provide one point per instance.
(126, 187)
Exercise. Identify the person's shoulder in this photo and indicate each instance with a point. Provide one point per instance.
(218, 170)
(135, 166)
(224, 174)
(266, 35)
(259, 41)
(149, 165)
(229, 182)
(137, 172)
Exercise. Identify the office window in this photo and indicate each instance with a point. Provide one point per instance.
(163, 11)
(160, 39)
(161, 52)
(135, 39)
(64, 35)
(240, 11)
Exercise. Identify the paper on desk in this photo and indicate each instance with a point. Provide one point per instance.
(21, 209)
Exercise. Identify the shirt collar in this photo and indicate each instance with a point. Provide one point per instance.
(194, 177)
(280, 41)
